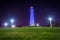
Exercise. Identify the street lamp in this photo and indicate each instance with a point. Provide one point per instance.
(5, 24)
(50, 19)
(12, 21)
(37, 24)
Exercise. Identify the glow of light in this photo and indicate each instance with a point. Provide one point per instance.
(13, 26)
(50, 19)
(5, 24)
(37, 24)
(12, 20)
(31, 6)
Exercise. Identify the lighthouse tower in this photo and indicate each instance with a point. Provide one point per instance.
(32, 16)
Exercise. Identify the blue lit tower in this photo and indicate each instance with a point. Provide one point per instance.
(32, 16)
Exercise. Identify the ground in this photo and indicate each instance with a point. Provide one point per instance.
(30, 33)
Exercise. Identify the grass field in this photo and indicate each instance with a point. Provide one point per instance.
(30, 33)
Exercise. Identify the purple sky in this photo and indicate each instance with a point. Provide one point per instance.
(19, 10)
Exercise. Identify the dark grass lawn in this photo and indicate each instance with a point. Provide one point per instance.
(30, 33)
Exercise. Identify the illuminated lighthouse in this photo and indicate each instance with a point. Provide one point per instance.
(32, 16)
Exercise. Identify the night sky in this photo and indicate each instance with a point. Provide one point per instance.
(19, 11)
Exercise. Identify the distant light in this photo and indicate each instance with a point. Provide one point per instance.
(13, 26)
(12, 20)
(5, 24)
(31, 6)
(37, 24)
(50, 19)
